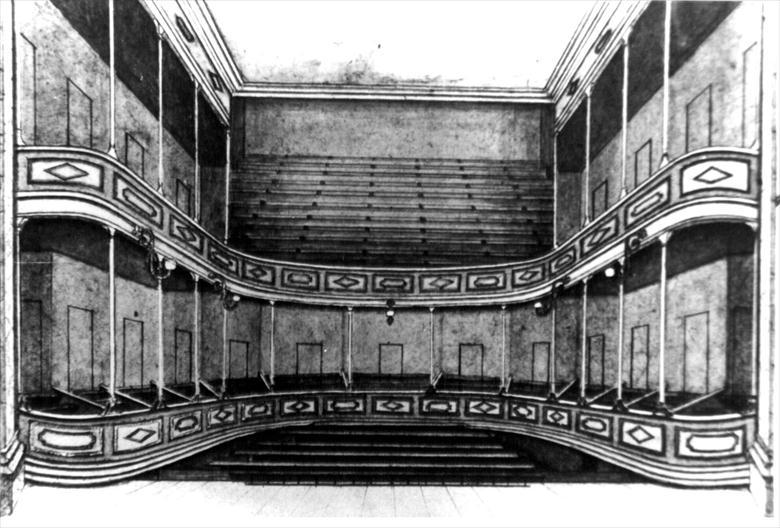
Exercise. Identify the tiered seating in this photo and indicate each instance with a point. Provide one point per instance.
(384, 211)
(365, 454)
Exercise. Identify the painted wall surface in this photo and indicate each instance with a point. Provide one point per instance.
(243, 329)
(136, 319)
(740, 326)
(392, 129)
(79, 324)
(568, 347)
(411, 329)
(211, 334)
(36, 321)
(471, 327)
(527, 362)
(602, 335)
(61, 55)
(568, 199)
(178, 325)
(640, 325)
(297, 324)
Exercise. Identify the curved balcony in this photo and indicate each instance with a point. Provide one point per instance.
(89, 442)
(707, 185)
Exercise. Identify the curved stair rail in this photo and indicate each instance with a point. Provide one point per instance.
(711, 184)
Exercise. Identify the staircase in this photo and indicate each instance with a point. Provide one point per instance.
(362, 454)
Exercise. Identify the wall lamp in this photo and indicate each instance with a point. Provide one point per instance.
(229, 300)
(542, 307)
(390, 313)
(159, 267)
(613, 270)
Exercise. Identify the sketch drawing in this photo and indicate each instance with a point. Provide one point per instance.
(507, 263)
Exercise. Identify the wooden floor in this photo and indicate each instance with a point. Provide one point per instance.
(166, 503)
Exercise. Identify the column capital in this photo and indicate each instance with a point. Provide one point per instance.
(503, 307)
(664, 237)
(272, 303)
(349, 309)
(431, 308)
(111, 230)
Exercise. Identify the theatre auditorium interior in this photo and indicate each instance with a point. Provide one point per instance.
(218, 268)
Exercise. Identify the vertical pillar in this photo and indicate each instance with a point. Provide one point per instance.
(551, 358)
(663, 239)
(503, 344)
(430, 348)
(160, 126)
(349, 345)
(665, 110)
(111, 314)
(160, 345)
(196, 336)
(620, 343)
(272, 370)
(586, 182)
(555, 189)
(624, 118)
(196, 191)
(584, 343)
(111, 81)
(223, 377)
(227, 186)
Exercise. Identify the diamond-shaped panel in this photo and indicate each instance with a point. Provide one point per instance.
(66, 172)
(346, 282)
(222, 415)
(639, 434)
(485, 407)
(140, 435)
(712, 175)
(556, 417)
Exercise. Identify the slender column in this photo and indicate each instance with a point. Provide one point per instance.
(665, 110)
(111, 314)
(586, 183)
(663, 239)
(503, 344)
(624, 118)
(112, 80)
(196, 191)
(160, 127)
(551, 358)
(196, 335)
(160, 344)
(584, 342)
(227, 186)
(272, 369)
(430, 349)
(620, 343)
(349, 344)
(223, 384)
(555, 189)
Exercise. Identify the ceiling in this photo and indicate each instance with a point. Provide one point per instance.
(485, 44)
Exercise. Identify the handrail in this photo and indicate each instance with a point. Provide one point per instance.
(600, 395)
(567, 387)
(697, 400)
(127, 397)
(264, 379)
(80, 399)
(211, 389)
(640, 398)
(119, 198)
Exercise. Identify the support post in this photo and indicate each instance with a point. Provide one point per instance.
(196, 191)
(586, 178)
(349, 345)
(111, 81)
(619, 406)
(223, 376)
(503, 344)
(111, 314)
(160, 126)
(196, 336)
(227, 187)
(664, 240)
(551, 358)
(665, 110)
(160, 345)
(555, 189)
(272, 369)
(624, 118)
(584, 344)
(430, 348)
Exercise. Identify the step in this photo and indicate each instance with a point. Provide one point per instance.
(340, 450)
(399, 445)
(335, 466)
